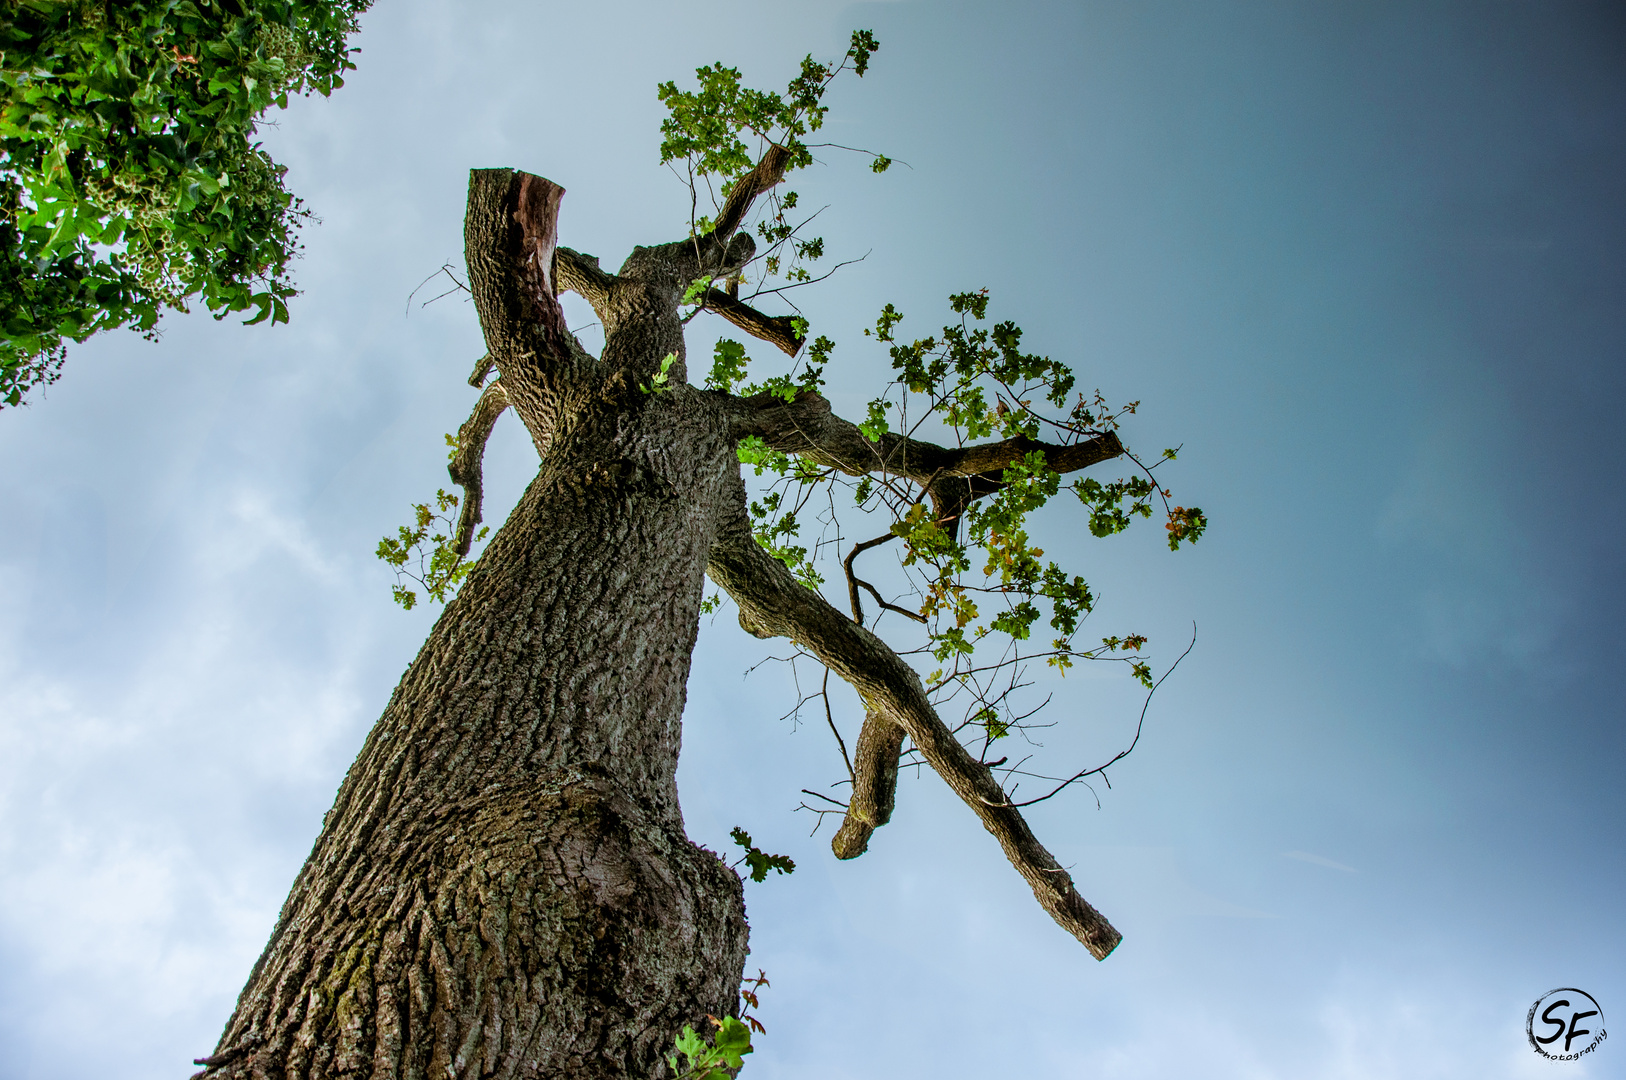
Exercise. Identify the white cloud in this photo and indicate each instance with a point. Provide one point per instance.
(1317, 860)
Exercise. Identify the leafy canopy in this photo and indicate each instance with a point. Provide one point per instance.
(977, 584)
(980, 586)
(719, 130)
(705, 127)
(130, 181)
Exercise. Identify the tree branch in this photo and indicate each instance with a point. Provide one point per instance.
(807, 427)
(854, 583)
(509, 236)
(768, 172)
(466, 465)
(875, 785)
(581, 275)
(776, 330)
(774, 603)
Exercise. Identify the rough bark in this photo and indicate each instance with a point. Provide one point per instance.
(503, 887)
(875, 785)
(777, 330)
(467, 464)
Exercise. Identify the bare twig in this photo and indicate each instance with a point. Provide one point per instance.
(446, 268)
(831, 720)
(854, 582)
(1120, 755)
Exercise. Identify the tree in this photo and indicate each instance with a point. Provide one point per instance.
(130, 181)
(504, 886)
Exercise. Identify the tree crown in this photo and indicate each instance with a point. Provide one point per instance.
(1007, 425)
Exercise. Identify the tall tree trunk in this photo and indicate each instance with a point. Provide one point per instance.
(503, 887)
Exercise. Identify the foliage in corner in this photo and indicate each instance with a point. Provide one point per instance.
(719, 1059)
(130, 181)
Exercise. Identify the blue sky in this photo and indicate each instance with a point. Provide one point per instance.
(1366, 262)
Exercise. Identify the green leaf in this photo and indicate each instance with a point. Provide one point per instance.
(696, 290)
(658, 382)
(875, 424)
(760, 863)
(728, 365)
(863, 44)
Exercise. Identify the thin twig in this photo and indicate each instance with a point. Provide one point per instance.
(854, 581)
(831, 720)
(810, 281)
(445, 268)
(1120, 755)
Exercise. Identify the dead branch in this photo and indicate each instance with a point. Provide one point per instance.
(875, 785)
(510, 233)
(777, 330)
(466, 466)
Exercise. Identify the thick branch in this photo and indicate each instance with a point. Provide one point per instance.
(774, 603)
(776, 330)
(875, 785)
(482, 370)
(509, 235)
(808, 428)
(581, 275)
(768, 172)
(465, 466)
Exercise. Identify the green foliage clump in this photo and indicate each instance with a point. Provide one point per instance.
(978, 384)
(436, 565)
(981, 587)
(718, 132)
(661, 381)
(724, 1056)
(130, 181)
(758, 860)
(718, 1060)
(705, 126)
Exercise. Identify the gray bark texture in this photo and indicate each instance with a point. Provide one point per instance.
(503, 887)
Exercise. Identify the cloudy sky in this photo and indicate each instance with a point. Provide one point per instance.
(1366, 261)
